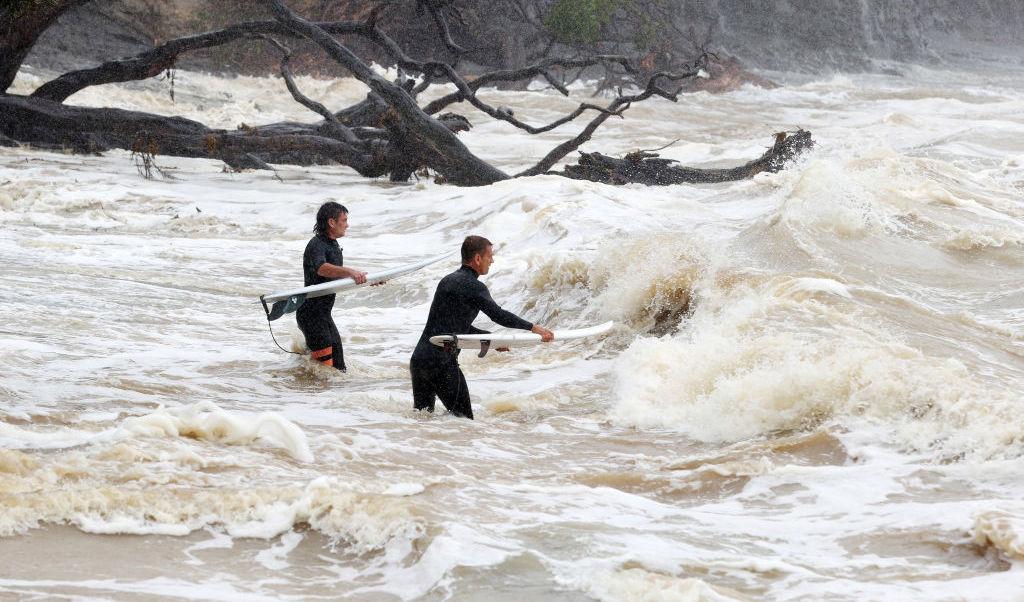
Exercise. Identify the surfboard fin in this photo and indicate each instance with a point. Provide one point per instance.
(485, 346)
(282, 307)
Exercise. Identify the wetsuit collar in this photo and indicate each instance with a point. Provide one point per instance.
(328, 239)
(470, 271)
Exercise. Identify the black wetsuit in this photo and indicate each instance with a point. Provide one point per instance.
(314, 315)
(460, 296)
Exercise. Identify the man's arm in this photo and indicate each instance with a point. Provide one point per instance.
(506, 318)
(334, 272)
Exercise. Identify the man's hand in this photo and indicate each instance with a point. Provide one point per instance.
(502, 349)
(378, 283)
(359, 277)
(545, 335)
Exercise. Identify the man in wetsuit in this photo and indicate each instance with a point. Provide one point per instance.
(460, 296)
(322, 262)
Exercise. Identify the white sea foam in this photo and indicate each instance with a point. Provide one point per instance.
(762, 363)
(643, 280)
(965, 239)
(638, 585)
(141, 503)
(205, 420)
(1003, 530)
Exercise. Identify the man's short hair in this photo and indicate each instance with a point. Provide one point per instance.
(473, 246)
(328, 211)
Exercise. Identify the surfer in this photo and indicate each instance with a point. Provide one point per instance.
(321, 262)
(460, 296)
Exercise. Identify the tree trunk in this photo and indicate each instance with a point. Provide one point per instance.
(90, 130)
(52, 125)
(21, 24)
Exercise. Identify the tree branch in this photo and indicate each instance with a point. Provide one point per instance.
(334, 125)
(444, 152)
(436, 8)
(506, 116)
(644, 167)
(152, 62)
(616, 107)
(21, 23)
(525, 72)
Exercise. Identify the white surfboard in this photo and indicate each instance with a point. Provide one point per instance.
(283, 302)
(514, 338)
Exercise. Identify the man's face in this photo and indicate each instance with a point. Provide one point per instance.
(336, 227)
(484, 261)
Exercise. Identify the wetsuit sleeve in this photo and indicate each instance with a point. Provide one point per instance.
(317, 256)
(475, 330)
(492, 310)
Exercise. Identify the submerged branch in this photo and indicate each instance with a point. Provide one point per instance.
(644, 167)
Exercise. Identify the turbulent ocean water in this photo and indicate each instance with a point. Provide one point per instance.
(813, 391)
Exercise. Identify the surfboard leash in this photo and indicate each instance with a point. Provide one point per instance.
(279, 344)
(267, 310)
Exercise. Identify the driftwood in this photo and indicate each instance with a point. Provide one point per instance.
(643, 167)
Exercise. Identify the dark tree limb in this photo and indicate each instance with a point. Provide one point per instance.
(153, 62)
(428, 136)
(335, 126)
(557, 85)
(436, 10)
(616, 107)
(507, 116)
(90, 130)
(646, 168)
(21, 24)
(529, 72)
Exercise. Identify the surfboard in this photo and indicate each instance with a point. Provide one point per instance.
(283, 302)
(513, 338)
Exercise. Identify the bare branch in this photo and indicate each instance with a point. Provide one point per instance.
(540, 68)
(507, 116)
(436, 8)
(651, 150)
(153, 62)
(616, 107)
(557, 85)
(336, 127)
(445, 151)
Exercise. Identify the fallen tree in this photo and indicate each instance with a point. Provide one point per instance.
(388, 133)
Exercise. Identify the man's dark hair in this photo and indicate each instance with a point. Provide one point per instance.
(472, 246)
(328, 211)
